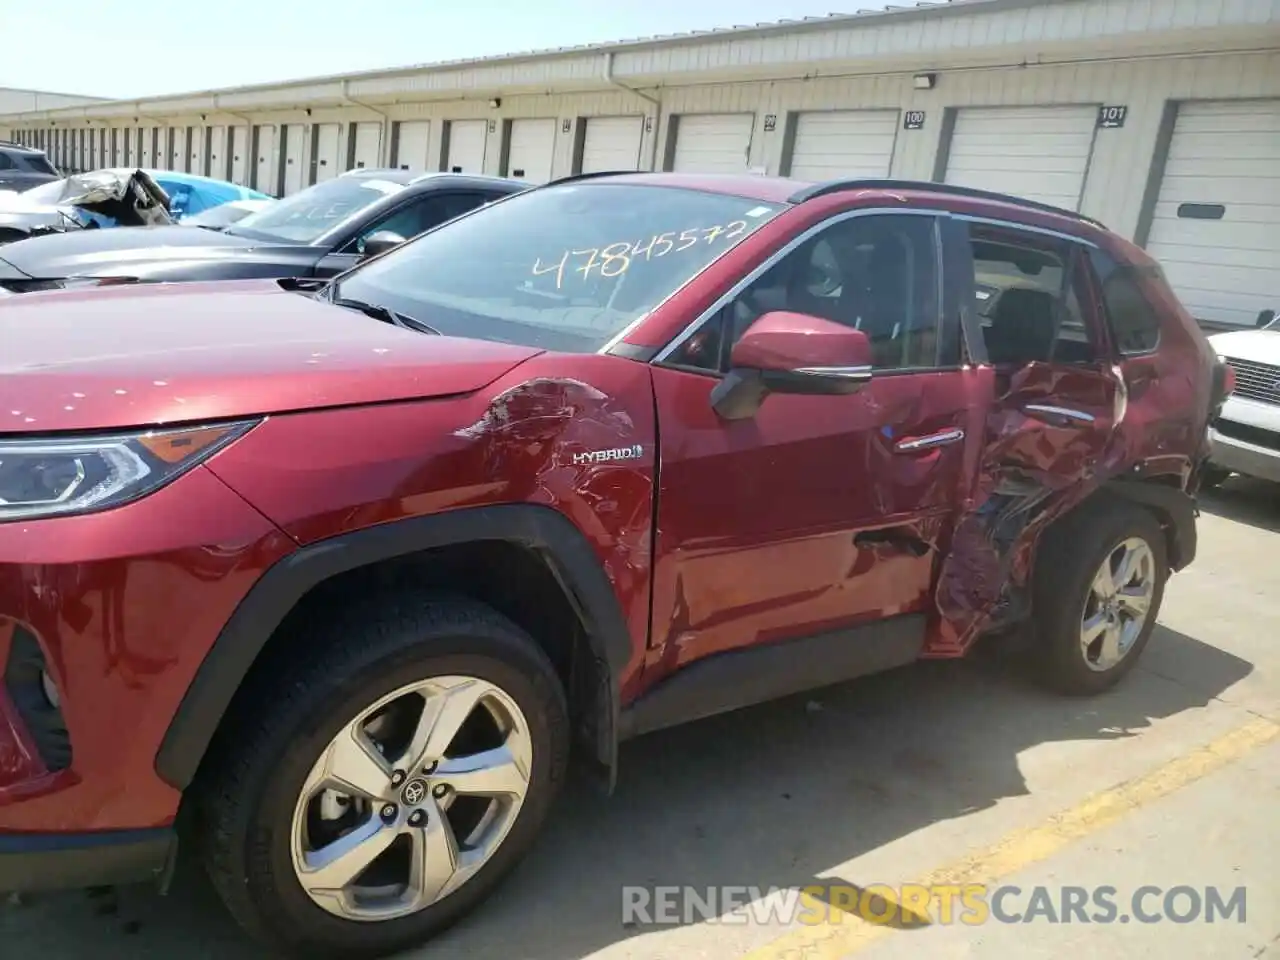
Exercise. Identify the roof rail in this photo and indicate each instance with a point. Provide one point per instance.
(930, 186)
(591, 176)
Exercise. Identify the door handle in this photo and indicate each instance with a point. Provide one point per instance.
(928, 443)
(1065, 412)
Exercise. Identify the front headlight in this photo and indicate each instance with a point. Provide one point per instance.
(57, 477)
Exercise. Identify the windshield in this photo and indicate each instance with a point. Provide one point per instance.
(558, 268)
(305, 216)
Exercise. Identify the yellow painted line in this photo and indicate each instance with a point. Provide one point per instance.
(1022, 848)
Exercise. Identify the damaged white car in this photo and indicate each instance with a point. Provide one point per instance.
(84, 201)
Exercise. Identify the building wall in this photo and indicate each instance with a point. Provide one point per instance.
(1117, 174)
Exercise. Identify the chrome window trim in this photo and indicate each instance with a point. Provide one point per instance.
(1014, 225)
(736, 290)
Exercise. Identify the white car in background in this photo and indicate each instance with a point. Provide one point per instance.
(1246, 436)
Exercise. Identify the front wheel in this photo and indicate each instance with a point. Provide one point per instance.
(1096, 602)
(377, 793)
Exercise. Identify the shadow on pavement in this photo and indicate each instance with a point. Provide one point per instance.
(739, 799)
(1245, 500)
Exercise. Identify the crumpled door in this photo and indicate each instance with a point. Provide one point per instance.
(1050, 440)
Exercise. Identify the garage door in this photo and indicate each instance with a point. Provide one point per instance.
(239, 155)
(328, 151)
(532, 150)
(295, 154)
(217, 152)
(466, 145)
(368, 145)
(195, 151)
(1040, 153)
(612, 143)
(840, 144)
(412, 146)
(266, 176)
(713, 142)
(1216, 228)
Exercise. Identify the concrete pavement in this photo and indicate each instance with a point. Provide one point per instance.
(1172, 779)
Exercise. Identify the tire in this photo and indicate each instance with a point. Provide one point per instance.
(362, 654)
(1078, 545)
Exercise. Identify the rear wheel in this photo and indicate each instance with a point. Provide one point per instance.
(1096, 603)
(383, 789)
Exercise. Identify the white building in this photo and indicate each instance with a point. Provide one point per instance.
(13, 100)
(1159, 117)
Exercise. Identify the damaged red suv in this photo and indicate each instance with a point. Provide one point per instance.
(330, 579)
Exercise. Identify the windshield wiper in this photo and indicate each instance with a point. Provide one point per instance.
(385, 314)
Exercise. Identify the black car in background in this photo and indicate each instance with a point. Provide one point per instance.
(317, 232)
(22, 167)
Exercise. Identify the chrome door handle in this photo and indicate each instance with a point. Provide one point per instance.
(1066, 412)
(926, 443)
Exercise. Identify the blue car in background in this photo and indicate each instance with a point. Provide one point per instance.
(114, 198)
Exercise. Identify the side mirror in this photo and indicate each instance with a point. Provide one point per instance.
(785, 352)
(1266, 318)
(379, 242)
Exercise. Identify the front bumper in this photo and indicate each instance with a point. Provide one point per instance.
(55, 861)
(1243, 457)
(1245, 438)
(104, 620)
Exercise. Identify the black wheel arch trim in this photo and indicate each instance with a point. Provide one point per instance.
(1176, 507)
(543, 529)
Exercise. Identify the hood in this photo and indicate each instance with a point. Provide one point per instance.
(1260, 346)
(20, 212)
(117, 357)
(108, 253)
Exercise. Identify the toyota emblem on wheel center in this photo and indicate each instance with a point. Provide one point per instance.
(415, 792)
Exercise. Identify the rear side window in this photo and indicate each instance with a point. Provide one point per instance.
(5, 162)
(1134, 323)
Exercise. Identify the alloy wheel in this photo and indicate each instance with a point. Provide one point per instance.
(1118, 604)
(411, 798)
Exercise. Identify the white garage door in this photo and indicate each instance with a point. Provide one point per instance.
(295, 155)
(412, 146)
(218, 156)
(466, 145)
(1216, 229)
(839, 144)
(368, 145)
(1040, 153)
(713, 142)
(612, 143)
(328, 151)
(532, 151)
(195, 151)
(239, 154)
(267, 176)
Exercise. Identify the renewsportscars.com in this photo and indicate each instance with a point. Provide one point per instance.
(920, 905)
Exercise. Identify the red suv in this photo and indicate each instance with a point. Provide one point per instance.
(332, 576)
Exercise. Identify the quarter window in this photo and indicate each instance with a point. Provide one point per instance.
(1135, 327)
